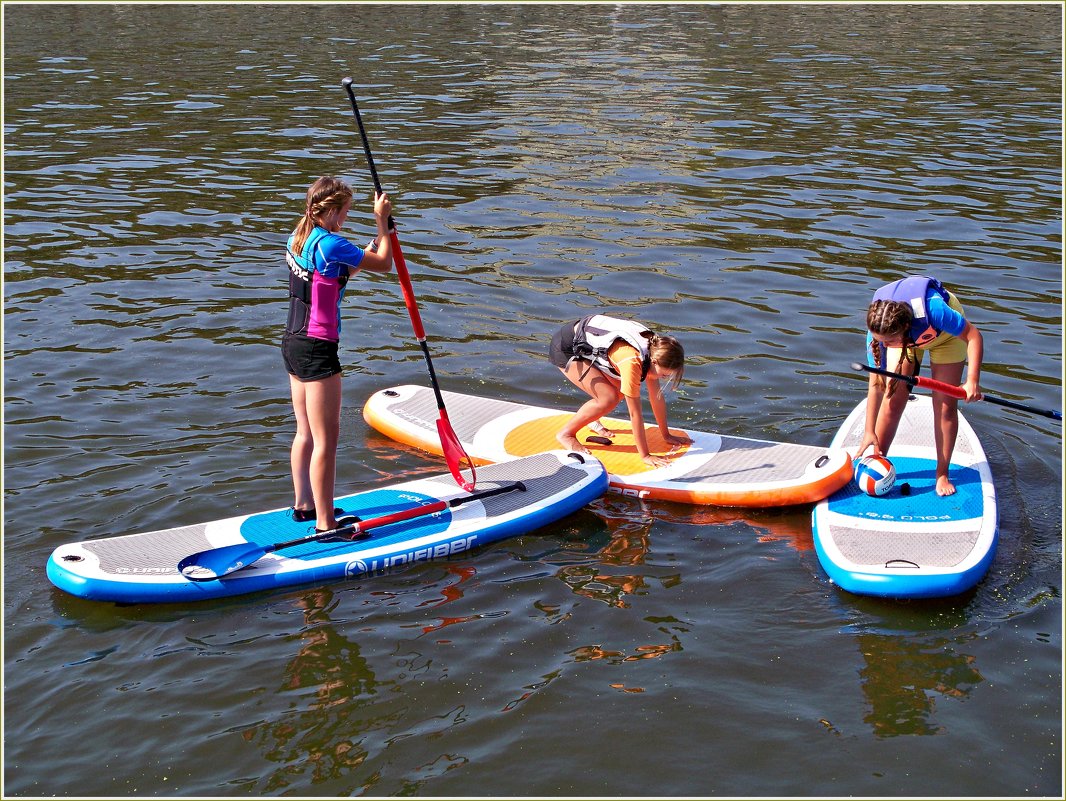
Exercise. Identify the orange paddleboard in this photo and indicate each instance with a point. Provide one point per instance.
(712, 469)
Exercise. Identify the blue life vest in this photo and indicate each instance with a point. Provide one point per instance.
(309, 313)
(913, 291)
(301, 274)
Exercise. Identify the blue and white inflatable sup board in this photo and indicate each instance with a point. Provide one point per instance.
(910, 543)
(143, 568)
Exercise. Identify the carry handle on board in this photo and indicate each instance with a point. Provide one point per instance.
(954, 391)
(454, 454)
(217, 562)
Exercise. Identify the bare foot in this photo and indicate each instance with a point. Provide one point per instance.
(571, 443)
(944, 487)
(596, 427)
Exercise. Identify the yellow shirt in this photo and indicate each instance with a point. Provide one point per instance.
(627, 363)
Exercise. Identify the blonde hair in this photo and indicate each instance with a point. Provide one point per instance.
(323, 196)
(891, 319)
(667, 352)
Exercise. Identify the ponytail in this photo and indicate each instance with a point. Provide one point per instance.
(324, 195)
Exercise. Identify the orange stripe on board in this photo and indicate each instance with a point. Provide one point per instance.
(789, 495)
(620, 457)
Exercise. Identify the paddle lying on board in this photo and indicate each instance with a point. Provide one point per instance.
(454, 454)
(954, 391)
(217, 562)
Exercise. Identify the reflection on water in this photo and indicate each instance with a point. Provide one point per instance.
(331, 687)
(903, 679)
(617, 569)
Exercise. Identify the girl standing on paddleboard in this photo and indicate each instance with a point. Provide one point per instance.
(320, 265)
(905, 319)
(609, 359)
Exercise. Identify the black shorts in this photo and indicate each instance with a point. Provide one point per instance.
(309, 359)
(561, 349)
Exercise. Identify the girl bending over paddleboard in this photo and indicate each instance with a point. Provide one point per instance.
(609, 359)
(320, 265)
(905, 319)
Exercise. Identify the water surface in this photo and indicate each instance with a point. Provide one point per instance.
(743, 177)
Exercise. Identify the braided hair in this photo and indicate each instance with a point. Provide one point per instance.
(324, 195)
(891, 319)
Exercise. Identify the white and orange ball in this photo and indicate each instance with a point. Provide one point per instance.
(875, 475)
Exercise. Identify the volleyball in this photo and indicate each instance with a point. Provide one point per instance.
(875, 475)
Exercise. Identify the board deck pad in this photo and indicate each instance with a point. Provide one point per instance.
(910, 543)
(142, 568)
(712, 469)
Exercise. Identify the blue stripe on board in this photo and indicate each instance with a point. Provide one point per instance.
(922, 504)
(271, 527)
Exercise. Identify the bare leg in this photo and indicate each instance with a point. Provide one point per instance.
(323, 404)
(945, 424)
(302, 446)
(891, 411)
(604, 396)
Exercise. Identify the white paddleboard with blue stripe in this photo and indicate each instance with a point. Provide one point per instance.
(143, 568)
(911, 542)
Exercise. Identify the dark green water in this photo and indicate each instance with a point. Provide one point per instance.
(741, 176)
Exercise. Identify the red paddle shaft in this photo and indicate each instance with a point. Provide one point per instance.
(405, 284)
(939, 386)
(954, 391)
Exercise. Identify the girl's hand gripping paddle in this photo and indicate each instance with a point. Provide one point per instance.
(454, 454)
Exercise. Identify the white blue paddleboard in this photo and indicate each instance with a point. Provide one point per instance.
(143, 568)
(910, 543)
